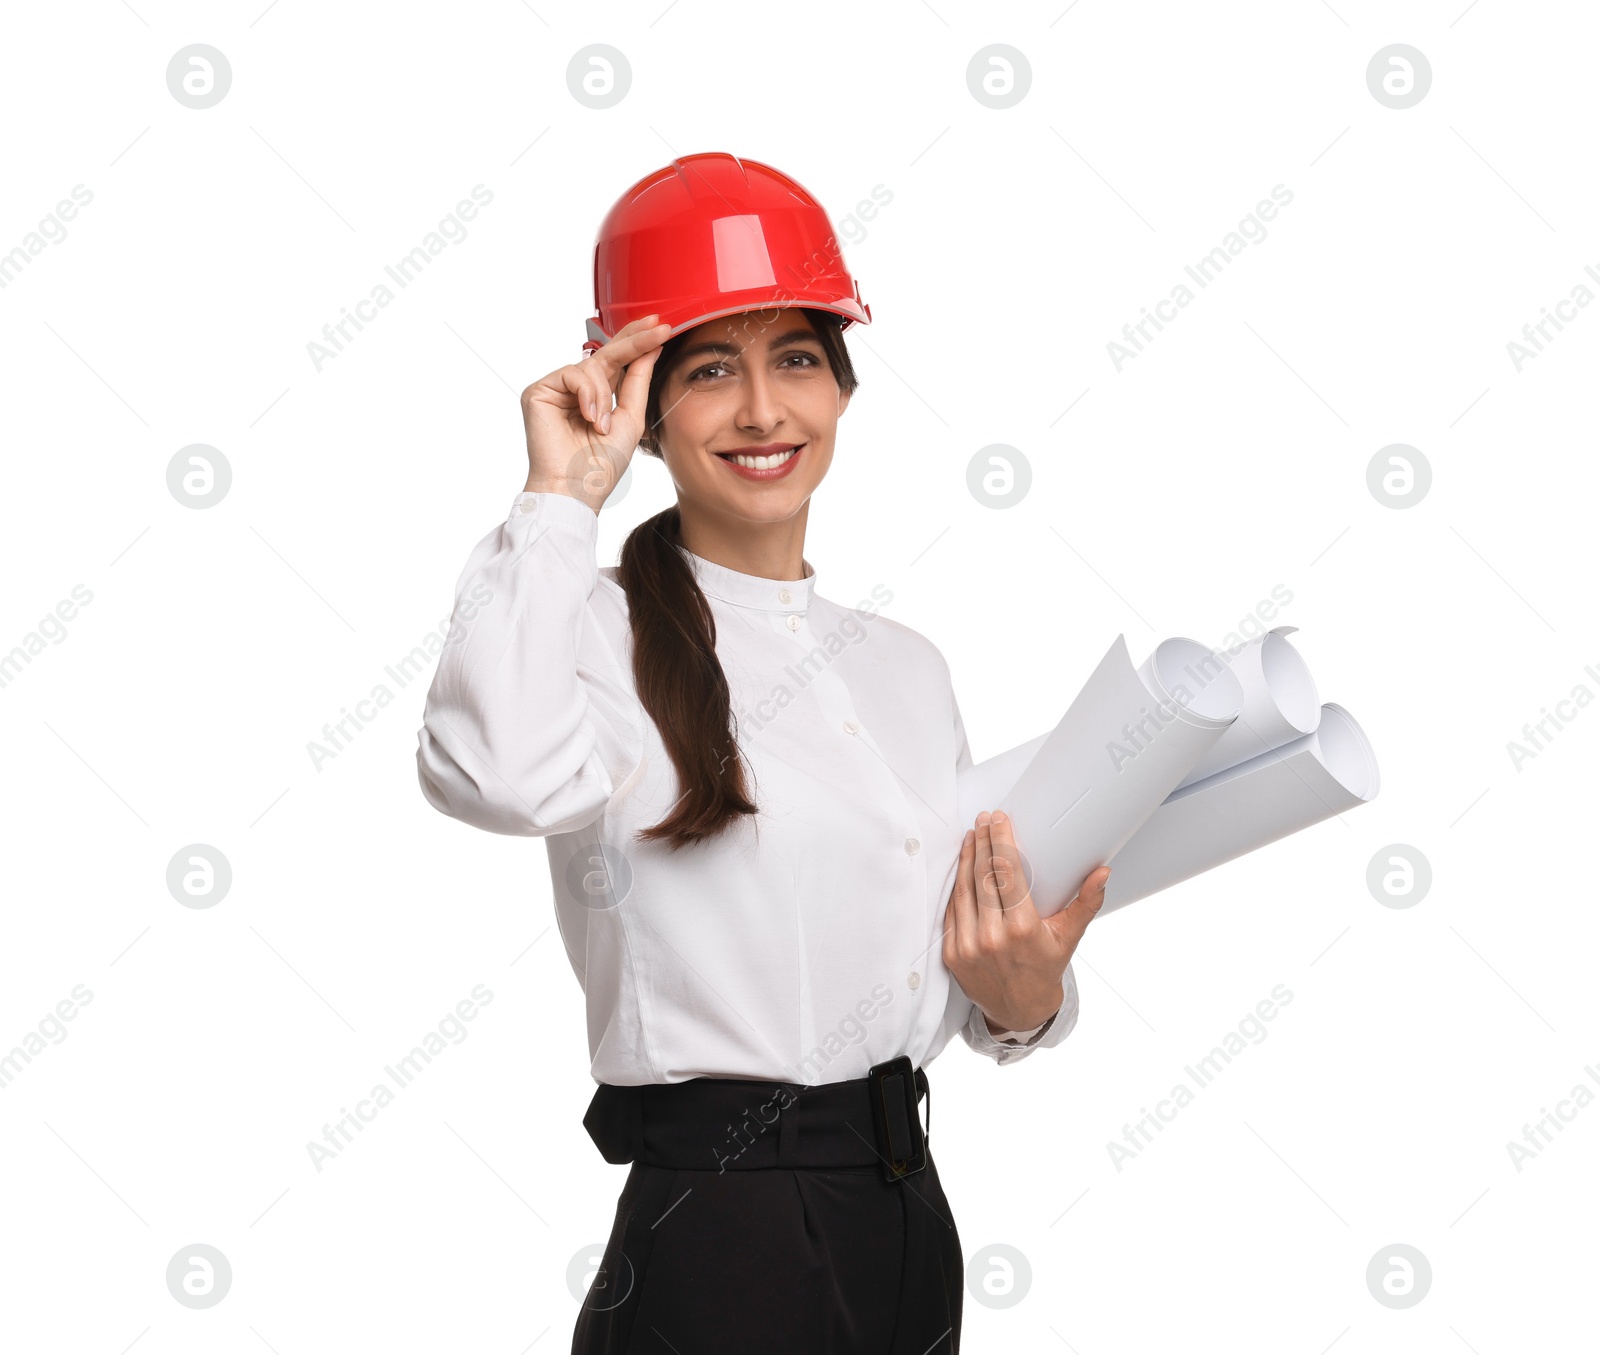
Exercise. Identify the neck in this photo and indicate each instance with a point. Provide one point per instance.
(769, 550)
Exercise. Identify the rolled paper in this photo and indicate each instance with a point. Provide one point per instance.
(1280, 703)
(1246, 806)
(1122, 747)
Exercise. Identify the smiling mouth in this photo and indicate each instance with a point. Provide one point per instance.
(761, 462)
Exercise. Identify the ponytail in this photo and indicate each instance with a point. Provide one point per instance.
(680, 682)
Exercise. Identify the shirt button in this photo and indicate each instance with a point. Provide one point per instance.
(913, 979)
(912, 846)
(794, 622)
(850, 726)
(784, 595)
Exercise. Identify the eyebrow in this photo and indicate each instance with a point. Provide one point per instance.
(723, 349)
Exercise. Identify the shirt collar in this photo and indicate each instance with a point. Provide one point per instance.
(751, 590)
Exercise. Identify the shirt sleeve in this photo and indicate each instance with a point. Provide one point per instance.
(531, 724)
(976, 1030)
(1056, 1029)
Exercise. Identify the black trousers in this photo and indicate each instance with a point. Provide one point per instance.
(757, 1217)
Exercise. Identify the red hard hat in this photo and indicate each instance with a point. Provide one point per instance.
(713, 235)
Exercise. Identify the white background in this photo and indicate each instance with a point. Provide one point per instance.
(1228, 458)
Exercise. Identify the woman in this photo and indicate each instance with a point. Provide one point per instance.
(748, 796)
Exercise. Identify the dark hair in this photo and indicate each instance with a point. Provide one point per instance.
(676, 671)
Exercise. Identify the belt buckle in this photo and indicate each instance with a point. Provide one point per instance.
(892, 1089)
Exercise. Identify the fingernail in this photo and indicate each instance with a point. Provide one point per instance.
(999, 816)
(983, 817)
(605, 423)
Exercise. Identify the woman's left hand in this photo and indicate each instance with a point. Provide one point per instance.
(1006, 958)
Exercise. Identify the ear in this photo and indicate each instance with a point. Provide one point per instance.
(844, 400)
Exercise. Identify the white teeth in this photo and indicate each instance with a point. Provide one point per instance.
(763, 462)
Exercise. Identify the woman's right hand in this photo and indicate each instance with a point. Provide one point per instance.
(577, 443)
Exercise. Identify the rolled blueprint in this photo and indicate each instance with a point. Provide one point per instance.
(1121, 748)
(1244, 807)
(1280, 704)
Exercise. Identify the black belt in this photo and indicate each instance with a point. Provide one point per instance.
(721, 1124)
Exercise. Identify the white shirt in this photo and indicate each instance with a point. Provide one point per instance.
(803, 947)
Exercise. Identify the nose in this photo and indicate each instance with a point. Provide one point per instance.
(760, 409)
